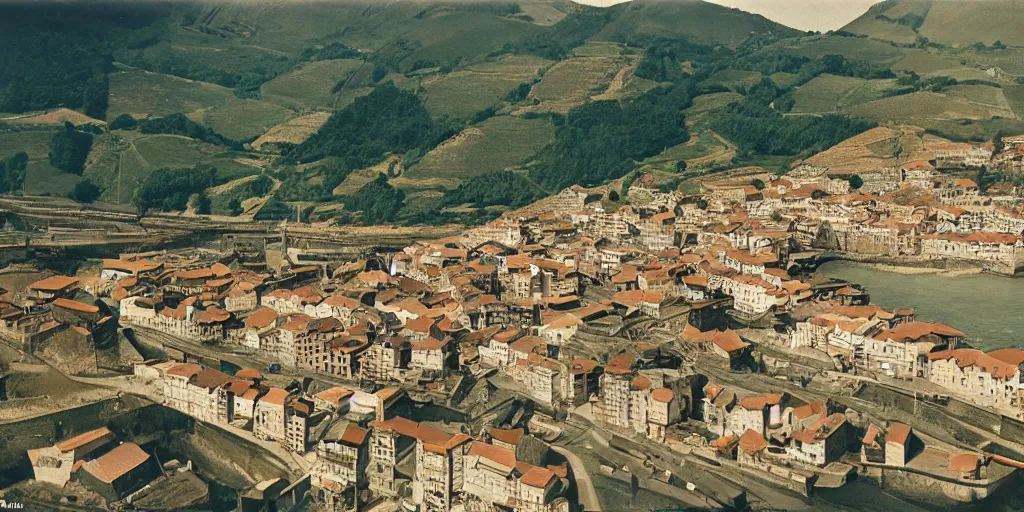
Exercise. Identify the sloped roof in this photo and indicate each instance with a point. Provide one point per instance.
(83, 439)
(116, 463)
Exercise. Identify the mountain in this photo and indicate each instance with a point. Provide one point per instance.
(264, 108)
(952, 23)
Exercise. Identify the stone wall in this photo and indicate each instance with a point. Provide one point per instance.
(232, 460)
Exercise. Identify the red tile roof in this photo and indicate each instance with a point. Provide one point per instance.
(116, 463)
(54, 283)
(537, 477)
(74, 305)
(663, 395)
(898, 433)
(502, 456)
(751, 442)
(354, 435)
(261, 318)
(83, 439)
(275, 396)
(185, 370)
(506, 436)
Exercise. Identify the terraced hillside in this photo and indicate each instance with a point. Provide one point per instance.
(300, 99)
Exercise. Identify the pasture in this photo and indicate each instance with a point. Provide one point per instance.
(496, 144)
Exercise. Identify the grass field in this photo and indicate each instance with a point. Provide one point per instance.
(733, 78)
(784, 80)
(36, 143)
(245, 119)
(466, 36)
(703, 22)
(920, 108)
(541, 12)
(990, 98)
(571, 82)
(1014, 95)
(851, 48)
(598, 49)
(135, 91)
(881, 29)
(293, 131)
(701, 150)
(41, 178)
(708, 103)
(830, 93)
(963, 23)
(496, 144)
(462, 93)
(309, 86)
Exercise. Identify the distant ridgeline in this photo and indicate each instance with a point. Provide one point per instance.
(454, 112)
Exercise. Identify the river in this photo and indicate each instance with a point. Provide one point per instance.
(985, 307)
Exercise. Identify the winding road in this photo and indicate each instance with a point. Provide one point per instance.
(585, 486)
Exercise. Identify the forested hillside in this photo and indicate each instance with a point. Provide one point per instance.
(434, 111)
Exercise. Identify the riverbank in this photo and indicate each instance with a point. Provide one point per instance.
(915, 270)
(913, 265)
(977, 303)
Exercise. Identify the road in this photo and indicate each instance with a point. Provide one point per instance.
(584, 485)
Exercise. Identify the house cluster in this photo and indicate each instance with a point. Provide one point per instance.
(52, 305)
(114, 473)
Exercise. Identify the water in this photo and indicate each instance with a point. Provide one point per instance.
(985, 307)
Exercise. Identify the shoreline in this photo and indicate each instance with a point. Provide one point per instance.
(911, 271)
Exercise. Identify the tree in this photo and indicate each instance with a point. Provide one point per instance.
(200, 203)
(69, 149)
(757, 183)
(235, 207)
(681, 166)
(123, 122)
(12, 172)
(85, 191)
(856, 182)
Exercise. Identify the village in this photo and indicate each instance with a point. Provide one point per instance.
(678, 345)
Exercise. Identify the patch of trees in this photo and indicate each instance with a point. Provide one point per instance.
(85, 191)
(329, 51)
(757, 128)
(388, 120)
(179, 124)
(601, 140)
(781, 60)
(69, 149)
(378, 201)
(663, 58)
(123, 122)
(12, 172)
(60, 54)
(171, 189)
(275, 210)
(502, 188)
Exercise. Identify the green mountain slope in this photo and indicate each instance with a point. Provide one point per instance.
(699, 21)
(444, 96)
(954, 23)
